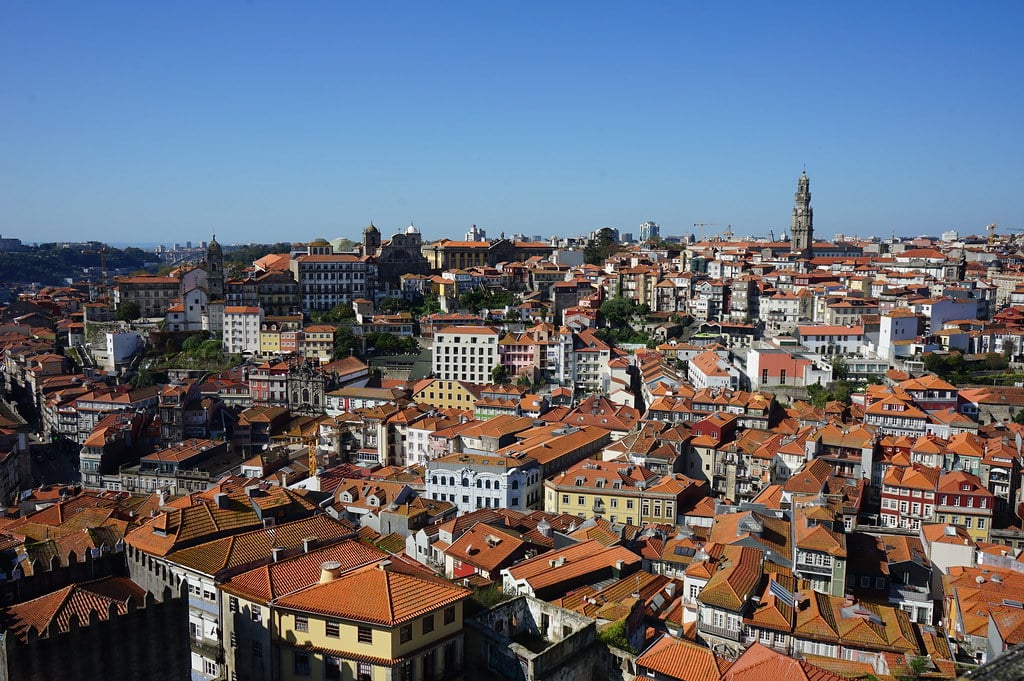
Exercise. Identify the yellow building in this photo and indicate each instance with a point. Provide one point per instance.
(620, 492)
(370, 625)
(446, 394)
(270, 342)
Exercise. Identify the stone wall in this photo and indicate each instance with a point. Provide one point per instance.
(149, 642)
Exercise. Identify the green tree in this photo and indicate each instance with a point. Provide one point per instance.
(499, 374)
(840, 371)
(617, 311)
(603, 245)
(192, 343)
(345, 342)
(392, 305)
(817, 394)
(128, 311)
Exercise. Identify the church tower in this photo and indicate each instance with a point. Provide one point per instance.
(215, 270)
(802, 228)
(371, 240)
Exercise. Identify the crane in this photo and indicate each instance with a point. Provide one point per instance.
(727, 234)
(991, 233)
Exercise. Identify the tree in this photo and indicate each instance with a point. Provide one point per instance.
(128, 311)
(600, 247)
(817, 394)
(392, 305)
(345, 342)
(617, 311)
(840, 371)
(192, 343)
(499, 374)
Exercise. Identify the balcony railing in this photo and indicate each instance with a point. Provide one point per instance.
(815, 569)
(909, 592)
(721, 632)
(208, 649)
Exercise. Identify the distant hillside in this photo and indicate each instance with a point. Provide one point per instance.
(52, 263)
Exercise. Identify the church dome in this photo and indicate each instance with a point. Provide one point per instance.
(371, 229)
(319, 242)
(411, 229)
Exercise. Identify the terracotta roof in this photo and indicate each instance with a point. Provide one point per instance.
(375, 595)
(681, 659)
(758, 662)
(292, 574)
(79, 600)
(250, 547)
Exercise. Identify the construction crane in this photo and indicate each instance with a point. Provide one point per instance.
(771, 235)
(727, 234)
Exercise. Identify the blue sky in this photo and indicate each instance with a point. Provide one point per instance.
(268, 121)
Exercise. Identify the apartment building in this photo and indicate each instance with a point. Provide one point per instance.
(242, 329)
(465, 353)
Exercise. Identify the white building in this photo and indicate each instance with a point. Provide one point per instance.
(708, 370)
(896, 328)
(831, 340)
(465, 353)
(472, 481)
(242, 329)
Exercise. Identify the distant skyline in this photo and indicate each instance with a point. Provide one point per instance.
(261, 121)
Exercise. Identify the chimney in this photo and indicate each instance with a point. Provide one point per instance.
(308, 544)
(384, 565)
(329, 571)
(221, 500)
(619, 564)
(277, 553)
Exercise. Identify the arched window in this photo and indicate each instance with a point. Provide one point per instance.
(515, 484)
(497, 485)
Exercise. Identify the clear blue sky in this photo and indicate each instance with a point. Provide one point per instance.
(262, 121)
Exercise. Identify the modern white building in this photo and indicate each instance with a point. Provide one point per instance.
(465, 353)
(242, 328)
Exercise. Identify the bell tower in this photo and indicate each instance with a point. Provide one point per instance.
(801, 230)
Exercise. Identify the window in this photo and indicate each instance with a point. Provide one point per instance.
(365, 635)
(405, 633)
(629, 504)
(364, 671)
(449, 614)
(428, 624)
(256, 614)
(981, 523)
(332, 668)
(565, 498)
(332, 629)
(301, 663)
(211, 668)
(581, 501)
(234, 640)
(301, 623)
(233, 604)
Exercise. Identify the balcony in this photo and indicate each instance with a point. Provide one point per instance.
(808, 568)
(208, 649)
(721, 632)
